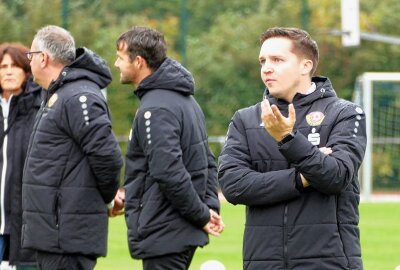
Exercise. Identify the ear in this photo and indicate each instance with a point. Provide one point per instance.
(44, 60)
(140, 62)
(306, 66)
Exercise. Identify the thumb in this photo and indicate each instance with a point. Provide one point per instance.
(292, 113)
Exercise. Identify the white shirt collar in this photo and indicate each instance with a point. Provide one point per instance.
(5, 105)
(312, 88)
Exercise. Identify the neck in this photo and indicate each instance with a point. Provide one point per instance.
(7, 94)
(143, 75)
(52, 75)
(304, 86)
(301, 88)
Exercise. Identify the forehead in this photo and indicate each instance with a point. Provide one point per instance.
(122, 47)
(33, 46)
(7, 59)
(276, 46)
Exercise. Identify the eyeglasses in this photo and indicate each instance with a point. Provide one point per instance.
(29, 55)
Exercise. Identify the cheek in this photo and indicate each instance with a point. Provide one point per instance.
(262, 74)
(21, 78)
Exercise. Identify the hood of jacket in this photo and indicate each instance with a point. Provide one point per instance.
(323, 89)
(172, 76)
(87, 66)
(31, 86)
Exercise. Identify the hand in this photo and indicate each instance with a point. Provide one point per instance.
(326, 150)
(119, 202)
(215, 226)
(304, 181)
(275, 123)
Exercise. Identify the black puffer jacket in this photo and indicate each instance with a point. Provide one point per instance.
(15, 138)
(73, 163)
(171, 177)
(287, 226)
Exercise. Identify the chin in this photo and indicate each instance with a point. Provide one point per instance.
(123, 81)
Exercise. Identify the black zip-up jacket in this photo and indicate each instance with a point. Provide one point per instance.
(15, 138)
(288, 226)
(73, 162)
(171, 176)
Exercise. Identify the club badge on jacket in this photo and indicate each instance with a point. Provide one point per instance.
(315, 119)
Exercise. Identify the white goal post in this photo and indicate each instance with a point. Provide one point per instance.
(366, 96)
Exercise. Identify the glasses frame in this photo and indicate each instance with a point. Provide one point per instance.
(29, 55)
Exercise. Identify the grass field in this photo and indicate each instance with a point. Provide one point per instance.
(380, 240)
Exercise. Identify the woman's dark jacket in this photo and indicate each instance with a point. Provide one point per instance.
(15, 139)
(171, 177)
(288, 226)
(73, 164)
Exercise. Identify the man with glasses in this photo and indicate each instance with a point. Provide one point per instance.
(73, 161)
(29, 55)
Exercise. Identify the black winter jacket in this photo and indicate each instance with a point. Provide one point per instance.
(15, 138)
(171, 176)
(72, 165)
(287, 226)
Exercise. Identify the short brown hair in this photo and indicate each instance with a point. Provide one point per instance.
(17, 53)
(303, 44)
(146, 42)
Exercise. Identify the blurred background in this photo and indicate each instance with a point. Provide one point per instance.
(218, 41)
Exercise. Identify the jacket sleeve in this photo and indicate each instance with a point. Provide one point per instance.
(89, 123)
(159, 133)
(332, 173)
(211, 198)
(240, 183)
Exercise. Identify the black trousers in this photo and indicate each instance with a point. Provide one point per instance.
(53, 261)
(174, 261)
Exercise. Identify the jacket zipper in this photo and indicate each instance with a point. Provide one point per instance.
(285, 238)
(3, 177)
(37, 120)
(57, 207)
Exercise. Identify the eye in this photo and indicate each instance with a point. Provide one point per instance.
(277, 60)
(262, 62)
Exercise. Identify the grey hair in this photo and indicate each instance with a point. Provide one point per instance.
(57, 42)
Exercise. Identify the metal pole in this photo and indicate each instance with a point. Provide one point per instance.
(64, 14)
(183, 31)
(367, 163)
(305, 14)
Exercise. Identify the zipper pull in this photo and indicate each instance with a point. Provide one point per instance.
(322, 92)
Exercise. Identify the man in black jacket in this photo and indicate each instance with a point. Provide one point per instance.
(171, 200)
(293, 160)
(73, 161)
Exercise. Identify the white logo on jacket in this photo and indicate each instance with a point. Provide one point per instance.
(314, 138)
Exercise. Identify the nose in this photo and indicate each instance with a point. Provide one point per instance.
(266, 68)
(9, 68)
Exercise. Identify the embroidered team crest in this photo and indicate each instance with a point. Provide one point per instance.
(52, 100)
(315, 118)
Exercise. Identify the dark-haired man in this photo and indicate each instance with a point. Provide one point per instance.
(171, 201)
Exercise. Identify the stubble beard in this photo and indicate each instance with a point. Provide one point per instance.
(123, 80)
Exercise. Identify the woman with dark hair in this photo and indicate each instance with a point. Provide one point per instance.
(20, 100)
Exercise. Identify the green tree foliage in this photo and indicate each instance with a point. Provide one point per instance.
(222, 43)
